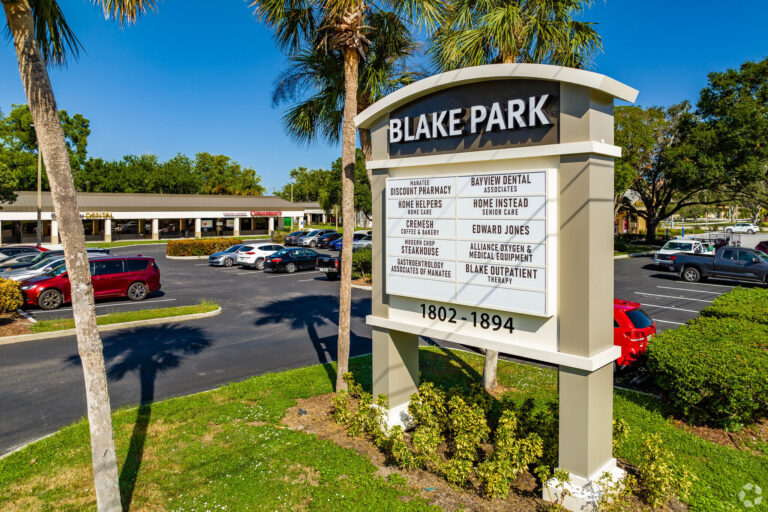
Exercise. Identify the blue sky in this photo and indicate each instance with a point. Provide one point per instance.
(198, 74)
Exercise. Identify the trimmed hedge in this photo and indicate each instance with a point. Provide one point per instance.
(278, 237)
(362, 263)
(199, 246)
(747, 303)
(10, 295)
(713, 370)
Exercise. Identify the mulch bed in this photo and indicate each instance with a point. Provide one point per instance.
(745, 439)
(12, 324)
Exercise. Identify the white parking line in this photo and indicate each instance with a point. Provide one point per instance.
(305, 280)
(672, 297)
(688, 290)
(286, 275)
(132, 303)
(669, 307)
(668, 322)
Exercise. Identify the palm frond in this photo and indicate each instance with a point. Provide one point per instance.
(125, 11)
(53, 34)
(294, 21)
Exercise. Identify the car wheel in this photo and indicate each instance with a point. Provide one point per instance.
(228, 262)
(313, 244)
(691, 275)
(50, 299)
(729, 231)
(332, 276)
(260, 264)
(138, 291)
(290, 268)
(750, 231)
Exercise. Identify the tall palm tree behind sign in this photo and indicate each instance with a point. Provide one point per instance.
(342, 26)
(478, 32)
(41, 36)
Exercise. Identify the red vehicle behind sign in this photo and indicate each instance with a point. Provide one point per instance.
(632, 330)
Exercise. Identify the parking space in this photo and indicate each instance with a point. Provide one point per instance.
(186, 282)
(667, 299)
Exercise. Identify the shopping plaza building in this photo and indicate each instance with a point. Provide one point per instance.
(112, 217)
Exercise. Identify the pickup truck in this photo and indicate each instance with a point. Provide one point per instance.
(728, 263)
(331, 265)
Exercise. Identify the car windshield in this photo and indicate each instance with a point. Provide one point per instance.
(234, 248)
(762, 256)
(678, 246)
(41, 256)
(369, 237)
(314, 233)
(42, 264)
(281, 253)
(57, 271)
(639, 318)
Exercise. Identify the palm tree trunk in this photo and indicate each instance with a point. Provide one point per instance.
(367, 147)
(50, 135)
(351, 60)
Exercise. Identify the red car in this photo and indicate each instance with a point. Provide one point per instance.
(134, 278)
(632, 329)
(762, 246)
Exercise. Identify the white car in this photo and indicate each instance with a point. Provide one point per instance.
(678, 245)
(364, 243)
(252, 255)
(743, 227)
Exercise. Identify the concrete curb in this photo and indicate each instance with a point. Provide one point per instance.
(9, 340)
(186, 257)
(361, 287)
(634, 255)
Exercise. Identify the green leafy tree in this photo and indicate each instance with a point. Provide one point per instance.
(218, 174)
(18, 145)
(330, 194)
(342, 26)
(675, 158)
(734, 106)
(41, 37)
(474, 33)
(308, 185)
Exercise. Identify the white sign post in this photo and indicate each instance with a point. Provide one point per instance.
(492, 228)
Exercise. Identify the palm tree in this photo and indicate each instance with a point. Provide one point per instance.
(341, 26)
(313, 82)
(478, 32)
(41, 36)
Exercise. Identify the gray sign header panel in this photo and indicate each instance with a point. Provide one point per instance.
(478, 116)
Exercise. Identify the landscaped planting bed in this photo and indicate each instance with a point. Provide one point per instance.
(242, 447)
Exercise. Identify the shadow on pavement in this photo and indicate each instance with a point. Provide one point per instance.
(311, 312)
(148, 351)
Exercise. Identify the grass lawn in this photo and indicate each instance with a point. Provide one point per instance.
(226, 449)
(126, 316)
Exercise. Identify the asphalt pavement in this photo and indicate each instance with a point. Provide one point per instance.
(269, 323)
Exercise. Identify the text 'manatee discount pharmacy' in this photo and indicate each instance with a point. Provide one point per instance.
(481, 240)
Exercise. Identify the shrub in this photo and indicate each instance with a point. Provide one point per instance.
(658, 473)
(10, 295)
(511, 455)
(278, 237)
(467, 427)
(713, 370)
(361, 263)
(747, 303)
(199, 246)
(341, 413)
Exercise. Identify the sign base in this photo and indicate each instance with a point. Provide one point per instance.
(583, 495)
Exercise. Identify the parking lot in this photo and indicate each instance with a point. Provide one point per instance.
(269, 322)
(667, 299)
